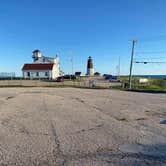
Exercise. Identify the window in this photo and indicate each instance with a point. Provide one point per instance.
(37, 74)
(28, 74)
(46, 73)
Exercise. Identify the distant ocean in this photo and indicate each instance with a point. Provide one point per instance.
(151, 76)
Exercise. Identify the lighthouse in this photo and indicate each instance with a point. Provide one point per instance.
(90, 68)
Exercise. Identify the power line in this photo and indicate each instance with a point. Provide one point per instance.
(139, 56)
(153, 38)
(150, 52)
(151, 58)
(146, 62)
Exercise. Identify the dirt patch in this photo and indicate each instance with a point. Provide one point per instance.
(33, 92)
(10, 97)
(79, 100)
(122, 119)
(90, 129)
(141, 119)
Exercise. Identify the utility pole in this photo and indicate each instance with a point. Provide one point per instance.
(72, 63)
(119, 68)
(131, 64)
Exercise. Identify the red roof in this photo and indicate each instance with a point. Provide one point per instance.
(37, 67)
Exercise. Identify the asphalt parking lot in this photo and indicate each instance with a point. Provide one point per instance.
(70, 126)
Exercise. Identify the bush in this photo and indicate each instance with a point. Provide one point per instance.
(97, 74)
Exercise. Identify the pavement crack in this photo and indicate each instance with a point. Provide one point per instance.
(79, 100)
(57, 142)
(90, 129)
(60, 158)
(10, 97)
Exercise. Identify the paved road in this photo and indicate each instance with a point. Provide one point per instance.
(65, 126)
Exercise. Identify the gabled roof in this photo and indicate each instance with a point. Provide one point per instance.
(38, 66)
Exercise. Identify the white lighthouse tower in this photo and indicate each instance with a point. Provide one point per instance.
(90, 68)
(36, 55)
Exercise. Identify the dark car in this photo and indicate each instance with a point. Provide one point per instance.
(72, 77)
(60, 79)
(114, 79)
(107, 76)
(66, 77)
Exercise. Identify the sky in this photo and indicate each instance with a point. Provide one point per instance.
(102, 29)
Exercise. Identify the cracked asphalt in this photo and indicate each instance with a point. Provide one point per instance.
(67, 126)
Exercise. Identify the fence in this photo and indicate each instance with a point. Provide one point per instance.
(40, 83)
(6, 75)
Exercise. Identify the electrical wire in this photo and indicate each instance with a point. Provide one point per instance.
(138, 58)
(146, 62)
(151, 52)
(153, 38)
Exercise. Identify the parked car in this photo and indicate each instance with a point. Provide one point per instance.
(107, 76)
(78, 74)
(114, 79)
(73, 77)
(60, 79)
(66, 76)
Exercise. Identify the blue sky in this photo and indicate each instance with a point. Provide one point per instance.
(98, 28)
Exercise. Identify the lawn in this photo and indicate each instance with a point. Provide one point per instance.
(154, 85)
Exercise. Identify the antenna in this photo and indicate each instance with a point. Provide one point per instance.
(119, 68)
(72, 62)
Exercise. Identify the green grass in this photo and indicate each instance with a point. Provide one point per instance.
(154, 85)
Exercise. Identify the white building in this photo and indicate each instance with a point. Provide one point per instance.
(42, 67)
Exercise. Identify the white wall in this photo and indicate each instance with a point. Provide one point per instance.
(37, 54)
(90, 72)
(56, 69)
(41, 74)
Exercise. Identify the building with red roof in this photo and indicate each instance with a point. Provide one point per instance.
(42, 67)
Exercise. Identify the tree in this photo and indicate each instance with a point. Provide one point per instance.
(97, 74)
